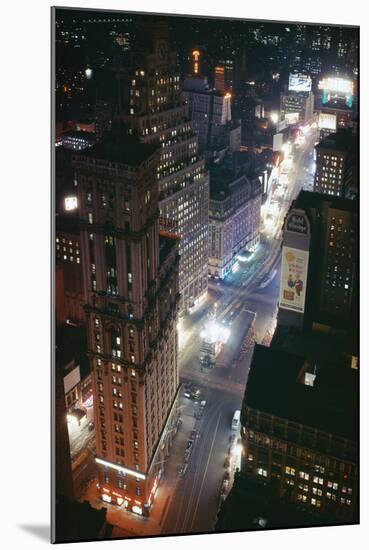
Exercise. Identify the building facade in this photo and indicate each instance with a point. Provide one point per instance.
(78, 140)
(321, 233)
(68, 266)
(209, 111)
(234, 219)
(131, 296)
(302, 443)
(301, 103)
(334, 163)
(151, 108)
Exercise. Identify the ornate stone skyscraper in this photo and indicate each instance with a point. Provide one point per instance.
(131, 295)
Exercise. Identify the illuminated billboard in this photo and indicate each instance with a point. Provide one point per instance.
(338, 85)
(327, 122)
(277, 142)
(335, 88)
(299, 83)
(291, 118)
(293, 279)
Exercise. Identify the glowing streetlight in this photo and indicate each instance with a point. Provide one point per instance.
(274, 117)
(70, 203)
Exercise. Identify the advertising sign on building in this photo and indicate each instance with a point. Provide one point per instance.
(168, 223)
(293, 279)
(72, 379)
(291, 118)
(277, 142)
(297, 223)
(282, 125)
(327, 121)
(299, 83)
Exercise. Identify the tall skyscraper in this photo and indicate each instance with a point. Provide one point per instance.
(227, 63)
(151, 108)
(210, 113)
(131, 295)
(219, 79)
(334, 163)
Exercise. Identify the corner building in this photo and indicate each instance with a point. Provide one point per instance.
(234, 219)
(299, 427)
(151, 108)
(131, 295)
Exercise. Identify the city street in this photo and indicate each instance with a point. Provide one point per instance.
(194, 505)
(246, 301)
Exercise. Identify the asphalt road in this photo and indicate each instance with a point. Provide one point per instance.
(195, 499)
(195, 502)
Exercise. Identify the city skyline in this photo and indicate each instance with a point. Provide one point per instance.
(206, 189)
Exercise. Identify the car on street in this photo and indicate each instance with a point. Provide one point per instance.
(196, 393)
(227, 461)
(182, 470)
(194, 434)
(227, 474)
(225, 485)
(188, 450)
(192, 392)
(189, 445)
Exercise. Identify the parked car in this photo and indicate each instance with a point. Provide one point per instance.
(227, 462)
(91, 426)
(189, 445)
(227, 475)
(195, 393)
(187, 456)
(225, 485)
(183, 470)
(192, 392)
